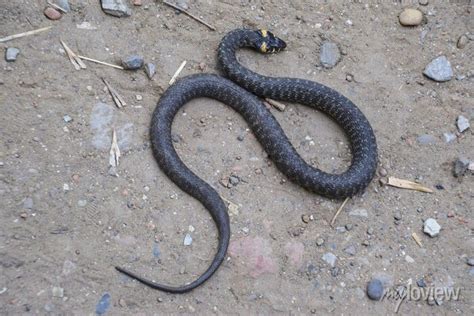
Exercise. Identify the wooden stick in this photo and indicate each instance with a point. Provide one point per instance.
(339, 211)
(9, 38)
(189, 14)
(118, 100)
(176, 74)
(100, 62)
(56, 6)
(417, 239)
(71, 55)
(277, 105)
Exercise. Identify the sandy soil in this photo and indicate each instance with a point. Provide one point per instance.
(65, 222)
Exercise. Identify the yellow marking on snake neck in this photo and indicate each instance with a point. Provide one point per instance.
(264, 33)
(263, 47)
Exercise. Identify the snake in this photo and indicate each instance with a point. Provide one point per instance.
(243, 89)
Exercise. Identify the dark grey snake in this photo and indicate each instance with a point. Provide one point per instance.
(235, 93)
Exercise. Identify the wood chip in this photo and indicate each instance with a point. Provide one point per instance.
(9, 38)
(417, 239)
(75, 60)
(176, 74)
(405, 184)
(189, 14)
(338, 211)
(118, 100)
(277, 105)
(114, 151)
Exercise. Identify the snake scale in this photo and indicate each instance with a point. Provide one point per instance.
(241, 91)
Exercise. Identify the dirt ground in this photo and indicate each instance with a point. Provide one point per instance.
(66, 222)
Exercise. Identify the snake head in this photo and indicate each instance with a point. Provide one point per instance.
(269, 43)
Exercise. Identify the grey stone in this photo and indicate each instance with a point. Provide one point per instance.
(351, 250)
(64, 4)
(183, 4)
(341, 229)
(449, 137)
(470, 262)
(375, 289)
(67, 118)
(426, 139)
(431, 227)
(118, 8)
(150, 70)
(329, 54)
(397, 216)
(471, 271)
(462, 41)
(82, 203)
(58, 291)
(359, 212)
(132, 62)
(103, 119)
(11, 54)
(460, 167)
(234, 180)
(28, 203)
(462, 123)
(188, 240)
(319, 242)
(330, 258)
(439, 69)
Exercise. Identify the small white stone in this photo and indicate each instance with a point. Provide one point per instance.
(188, 240)
(330, 258)
(431, 227)
(139, 97)
(191, 228)
(410, 17)
(462, 123)
(66, 187)
(409, 259)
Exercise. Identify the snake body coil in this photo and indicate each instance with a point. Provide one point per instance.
(235, 93)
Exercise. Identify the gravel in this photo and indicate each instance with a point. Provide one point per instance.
(118, 8)
(431, 227)
(11, 54)
(460, 167)
(150, 70)
(330, 258)
(462, 123)
(439, 69)
(375, 289)
(132, 62)
(329, 54)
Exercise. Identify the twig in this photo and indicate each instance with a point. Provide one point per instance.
(277, 105)
(9, 38)
(176, 74)
(417, 239)
(114, 154)
(405, 184)
(189, 14)
(56, 6)
(75, 60)
(100, 62)
(118, 100)
(339, 211)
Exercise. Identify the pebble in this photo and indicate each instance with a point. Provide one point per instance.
(52, 13)
(383, 172)
(63, 4)
(410, 17)
(118, 8)
(351, 250)
(58, 291)
(397, 216)
(67, 118)
(150, 70)
(462, 41)
(470, 262)
(329, 54)
(305, 218)
(426, 139)
(319, 242)
(449, 137)
(188, 240)
(234, 180)
(82, 203)
(330, 258)
(132, 62)
(431, 227)
(409, 259)
(462, 123)
(183, 4)
(139, 97)
(375, 289)
(421, 283)
(439, 69)
(156, 250)
(341, 229)
(11, 54)
(471, 271)
(103, 304)
(348, 226)
(359, 212)
(28, 203)
(460, 167)
(370, 231)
